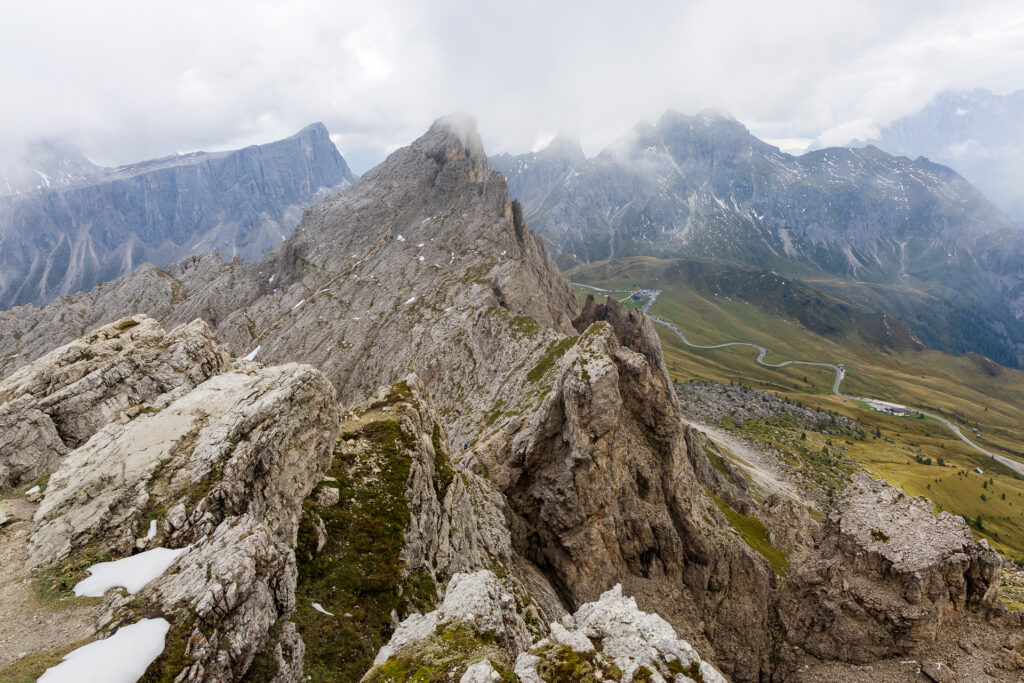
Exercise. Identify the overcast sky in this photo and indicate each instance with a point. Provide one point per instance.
(133, 80)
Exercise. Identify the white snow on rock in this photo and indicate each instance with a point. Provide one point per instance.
(320, 608)
(151, 534)
(131, 572)
(301, 301)
(121, 658)
(400, 238)
(252, 354)
(34, 489)
(410, 301)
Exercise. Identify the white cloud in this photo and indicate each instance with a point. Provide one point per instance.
(130, 80)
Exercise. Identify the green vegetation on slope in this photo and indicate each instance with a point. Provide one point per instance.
(966, 389)
(357, 576)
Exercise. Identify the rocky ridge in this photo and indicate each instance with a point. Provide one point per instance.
(92, 224)
(487, 427)
(178, 450)
(60, 401)
(703, 187)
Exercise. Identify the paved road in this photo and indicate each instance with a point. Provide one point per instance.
(838, 369)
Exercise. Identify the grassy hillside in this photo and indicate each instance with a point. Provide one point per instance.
(967, 389)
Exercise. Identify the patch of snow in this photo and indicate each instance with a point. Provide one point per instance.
(320, 608)
(420, 245)
(298, 304)
(132, 572)
(410, 301)
(151, 534)
(271, 280)
(252, 354)
(400, 238)
(34, 489)
(121, 658)
(421, 258)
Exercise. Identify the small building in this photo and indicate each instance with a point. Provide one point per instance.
(978, 470)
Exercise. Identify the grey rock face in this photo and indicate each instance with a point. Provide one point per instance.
(703, 186)
(62, 399)
(228, 598)
(886, 576)
(94, 225)
(478, 599)
(629, 639)
(236, 444)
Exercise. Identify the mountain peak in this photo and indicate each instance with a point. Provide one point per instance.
(316, 130)
(462, 127)
(565, 146)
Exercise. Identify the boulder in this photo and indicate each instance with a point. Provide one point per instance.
(612, 637)
(239, 443)
(228, 599)
(478, 604)
(56, 403)
(885, 577)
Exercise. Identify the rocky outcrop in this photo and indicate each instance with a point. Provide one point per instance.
(58, 402)
(239, 443)
(396, 516)
(603, 490)
(478, 600)
(483, 638)
(886, 576)
(228, 599)
(612, 637)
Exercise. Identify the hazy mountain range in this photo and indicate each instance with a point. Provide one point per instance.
(978, 133)
(908, 237)
(67, 224)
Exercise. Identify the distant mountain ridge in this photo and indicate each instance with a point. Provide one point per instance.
(67, 224)
(926, 244)
(978, 133)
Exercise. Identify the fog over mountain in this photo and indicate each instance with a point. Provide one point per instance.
(927, 246)
(124, 84)
(978, 133)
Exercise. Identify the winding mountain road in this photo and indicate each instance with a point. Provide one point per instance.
(840, 370)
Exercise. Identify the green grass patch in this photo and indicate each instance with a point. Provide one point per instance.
(443, 472)
(29, 668)
(444, 657)
(54, 587)
(126, 324)
(554, 351)
(358, 572)
(756, 536)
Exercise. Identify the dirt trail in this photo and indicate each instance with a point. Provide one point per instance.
(25, 627)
